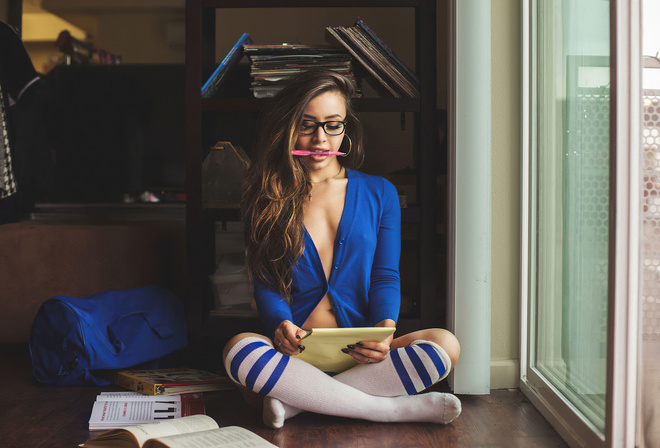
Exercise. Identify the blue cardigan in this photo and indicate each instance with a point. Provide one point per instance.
(364, 284)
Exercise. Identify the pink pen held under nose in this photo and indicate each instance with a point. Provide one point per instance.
(297, 152)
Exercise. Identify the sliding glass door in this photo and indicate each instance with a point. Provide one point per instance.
(572, 216)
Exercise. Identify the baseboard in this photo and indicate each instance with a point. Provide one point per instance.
(505, 374)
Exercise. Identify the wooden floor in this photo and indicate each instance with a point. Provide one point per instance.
(37, 417)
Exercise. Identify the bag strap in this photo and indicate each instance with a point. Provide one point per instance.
(160, 329)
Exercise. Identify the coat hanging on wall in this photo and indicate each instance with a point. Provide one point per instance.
(8, 186)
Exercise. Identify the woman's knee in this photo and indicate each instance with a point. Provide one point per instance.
(440, 336)
(449, 343)
(251, 398)
(236, 339)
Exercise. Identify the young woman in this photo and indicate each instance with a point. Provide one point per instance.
(323, 245)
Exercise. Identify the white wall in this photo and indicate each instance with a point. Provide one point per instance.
(506, 22)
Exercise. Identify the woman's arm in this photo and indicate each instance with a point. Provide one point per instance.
(272, 307)
(385, 286)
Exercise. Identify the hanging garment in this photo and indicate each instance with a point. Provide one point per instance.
(8, 186)
(17, 73)
(20, 150)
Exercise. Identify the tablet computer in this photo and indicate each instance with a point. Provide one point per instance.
(323, 345)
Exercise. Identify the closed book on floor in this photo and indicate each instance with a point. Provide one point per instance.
(171, 381)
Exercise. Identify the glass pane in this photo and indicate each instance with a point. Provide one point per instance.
(572, 203)
(650, 244)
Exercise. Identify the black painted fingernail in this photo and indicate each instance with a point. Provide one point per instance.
(301, 348)
(297, 336)
(352, 347)
(344, 350)
(360, 344)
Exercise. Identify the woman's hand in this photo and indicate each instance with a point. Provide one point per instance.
(367, 352)
(287, 338)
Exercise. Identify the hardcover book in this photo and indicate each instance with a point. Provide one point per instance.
(210, 87)
(171, 381)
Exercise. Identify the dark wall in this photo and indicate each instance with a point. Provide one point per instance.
(92, 134)
(114, 130)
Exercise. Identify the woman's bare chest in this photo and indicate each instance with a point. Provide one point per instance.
(322, 219)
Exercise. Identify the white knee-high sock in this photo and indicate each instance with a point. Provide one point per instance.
(405, 371)
(255, 364)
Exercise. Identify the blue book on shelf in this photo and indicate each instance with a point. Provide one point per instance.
(211, 85)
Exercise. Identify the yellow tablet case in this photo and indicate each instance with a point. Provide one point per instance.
(323, 345)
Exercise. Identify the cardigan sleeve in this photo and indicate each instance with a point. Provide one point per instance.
(272, 307)
(385, 288)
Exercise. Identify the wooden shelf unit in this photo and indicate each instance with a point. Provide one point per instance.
(200, 61)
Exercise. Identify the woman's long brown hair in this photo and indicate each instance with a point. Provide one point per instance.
(278, 183)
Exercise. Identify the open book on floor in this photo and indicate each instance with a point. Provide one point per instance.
(198, 431)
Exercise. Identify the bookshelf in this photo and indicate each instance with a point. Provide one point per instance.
(203, 126)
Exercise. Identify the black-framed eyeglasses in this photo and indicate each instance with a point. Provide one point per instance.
(308, 127)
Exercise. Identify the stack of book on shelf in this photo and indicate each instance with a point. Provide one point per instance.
(377, 59)
(120, 409)
(272, 66)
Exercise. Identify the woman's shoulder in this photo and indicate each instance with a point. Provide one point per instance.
(375, 189)
(375, 183)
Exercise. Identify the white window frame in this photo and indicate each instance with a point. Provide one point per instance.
(622, 415)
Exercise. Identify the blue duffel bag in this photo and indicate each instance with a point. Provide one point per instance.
(75, 341)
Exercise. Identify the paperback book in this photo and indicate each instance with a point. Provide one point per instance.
(120, 409)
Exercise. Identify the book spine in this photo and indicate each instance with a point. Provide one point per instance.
(336, 32)
(192, 404)
(379, 60)
(363, 26)
(136, 384)
(211, 85)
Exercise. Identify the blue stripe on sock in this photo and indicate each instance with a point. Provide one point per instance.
(435, 358)
(402, 372)
(419, 366)
(257, 367)
(277, 373)
(240, 357)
